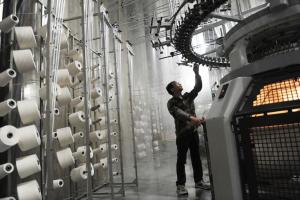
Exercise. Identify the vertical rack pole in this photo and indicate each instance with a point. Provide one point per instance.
(105, 67)
(155, 128)
(159, 120)
(11, 93)
(116, 65)
(42, 108)
(73, 187)
(131, 110)
(85, 4)
(52, 57)
(37, 22)
(151, 124)
(49, 106)
(156, 122)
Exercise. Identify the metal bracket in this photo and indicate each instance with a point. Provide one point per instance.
(225, 17)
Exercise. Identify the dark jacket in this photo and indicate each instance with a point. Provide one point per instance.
(183, 107)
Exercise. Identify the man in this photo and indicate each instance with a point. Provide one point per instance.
(182, 108)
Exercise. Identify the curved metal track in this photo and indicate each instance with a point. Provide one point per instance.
(184, 33)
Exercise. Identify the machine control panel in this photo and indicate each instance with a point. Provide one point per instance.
(223, 91)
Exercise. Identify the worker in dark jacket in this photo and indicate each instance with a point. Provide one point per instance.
(182, 108)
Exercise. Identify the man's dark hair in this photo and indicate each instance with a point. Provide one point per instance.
(170, 87)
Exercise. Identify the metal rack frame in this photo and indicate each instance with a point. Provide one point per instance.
(51, 61)
(130, 54)
(52, 58)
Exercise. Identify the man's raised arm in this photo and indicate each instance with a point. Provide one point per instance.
(198, 83)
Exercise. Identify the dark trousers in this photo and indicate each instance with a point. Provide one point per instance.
(185, 141)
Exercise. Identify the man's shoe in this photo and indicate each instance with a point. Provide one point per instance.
(202, 185)
(181, 190)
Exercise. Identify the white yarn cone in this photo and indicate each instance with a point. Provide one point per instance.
(8, 23)
(7, 106)
(6, 76)
(6, 169)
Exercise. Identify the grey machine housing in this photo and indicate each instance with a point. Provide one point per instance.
(221, 138)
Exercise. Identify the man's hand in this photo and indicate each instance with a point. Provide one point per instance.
(196, 68)
(202, 120)
(196, 121)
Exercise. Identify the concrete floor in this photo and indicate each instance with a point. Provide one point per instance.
(157, 177)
